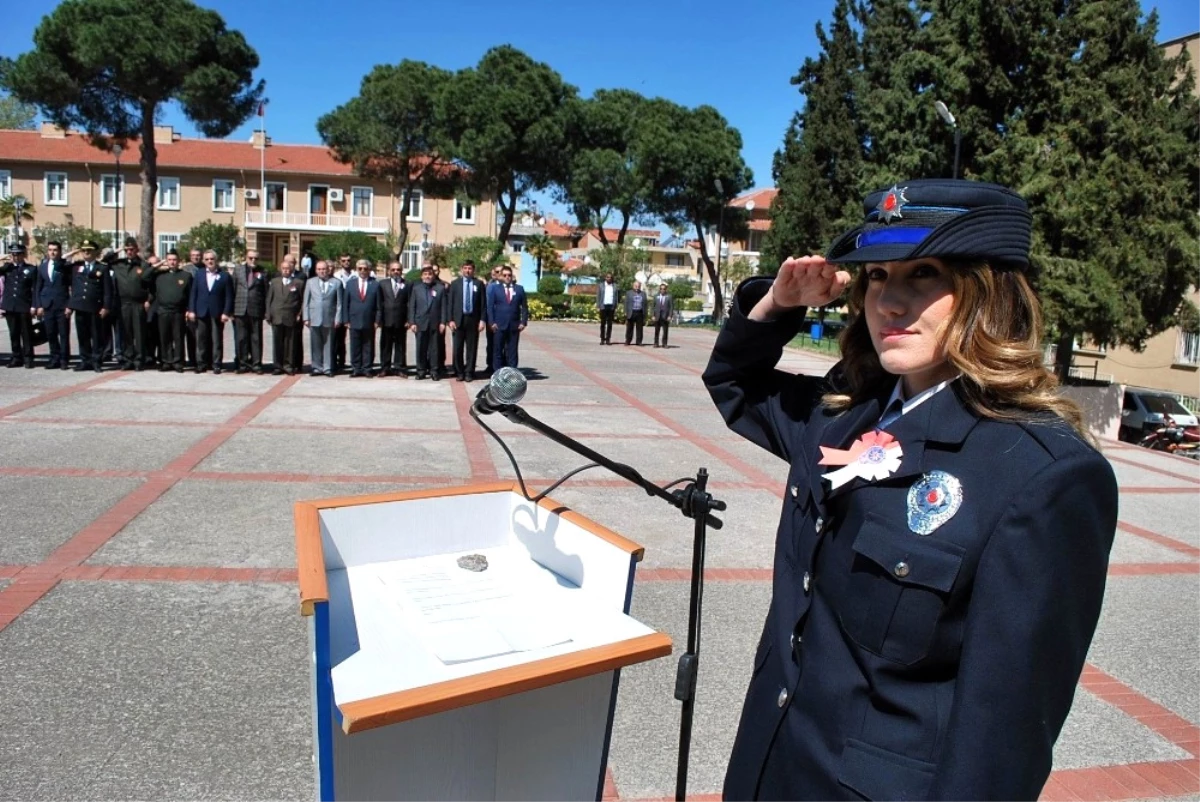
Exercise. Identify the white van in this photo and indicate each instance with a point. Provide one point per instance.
(1142, 412)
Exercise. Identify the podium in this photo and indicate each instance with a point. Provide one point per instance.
(433, 679)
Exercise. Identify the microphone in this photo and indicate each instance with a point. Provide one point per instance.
(507, 387)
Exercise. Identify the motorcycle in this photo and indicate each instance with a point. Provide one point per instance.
(1174, 439)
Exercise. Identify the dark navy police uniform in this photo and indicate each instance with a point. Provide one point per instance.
(899, 665)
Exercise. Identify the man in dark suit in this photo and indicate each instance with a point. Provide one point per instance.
(17, 304)
(493, 280)
(360, 310)
(468, 305)
(92, 300)
(393, 323)
(194, 267)
(51, 291)
(662, 307)
(249, 311)
(210, 307)
(285, 298)
(507, 316)
(441, 338)
(426, 318)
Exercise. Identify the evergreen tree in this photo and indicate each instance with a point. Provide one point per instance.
(818, 168)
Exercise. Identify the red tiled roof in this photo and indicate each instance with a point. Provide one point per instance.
(572, 265)
(202, 154)
(556, 228)
(760, 225)
(763, 198)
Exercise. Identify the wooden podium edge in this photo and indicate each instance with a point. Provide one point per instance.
(393, 708)
(310, 555)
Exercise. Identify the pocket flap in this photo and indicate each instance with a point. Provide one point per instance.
(907, 557)
(877, 773)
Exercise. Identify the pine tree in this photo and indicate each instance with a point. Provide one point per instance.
(818, 168)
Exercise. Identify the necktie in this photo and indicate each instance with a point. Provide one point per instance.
(508, 295)
(468, 297)
(395, 287)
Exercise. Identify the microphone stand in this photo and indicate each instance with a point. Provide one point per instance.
(694, 502)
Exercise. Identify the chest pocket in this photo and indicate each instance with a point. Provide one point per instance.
(899, 582)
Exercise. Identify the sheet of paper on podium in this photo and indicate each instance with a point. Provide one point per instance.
(466, 615)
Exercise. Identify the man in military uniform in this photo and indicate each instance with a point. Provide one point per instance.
(132, 278)
(91, 302)
(51, 292)
(17, 303)
(172, 289)
(249, 310)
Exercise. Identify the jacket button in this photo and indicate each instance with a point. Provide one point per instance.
(807, 581)
(901, 569)
(782, 700)
(795, 491)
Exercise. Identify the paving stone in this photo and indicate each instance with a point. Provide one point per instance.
(316, 413)
(126, 407)
(41, 513)
(317, 453)
(227, 524)
(1098, 734)
(28, 444)
(1128, 548)
(1174, 515)
(1137, 476)
(15, 395)
(383, 388)
(192, 382)
(157, 691)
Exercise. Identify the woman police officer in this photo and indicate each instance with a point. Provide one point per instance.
(941, 555)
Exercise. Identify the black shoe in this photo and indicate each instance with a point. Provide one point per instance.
(354, 374)
(216, 371)
(240, 370)
(290, 371)
(29, 365)
(82, 366)
(179, 368)
(257, 369)
(64, 366)
(98, 369)
(53, 365)
(14, 363)
(436, 377)
(277, 372)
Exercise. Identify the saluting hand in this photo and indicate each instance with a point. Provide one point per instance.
(803, 281)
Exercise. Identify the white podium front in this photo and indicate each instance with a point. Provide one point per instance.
(434, 681)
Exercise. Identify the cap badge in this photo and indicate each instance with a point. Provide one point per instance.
(933, 501)
(892, 204)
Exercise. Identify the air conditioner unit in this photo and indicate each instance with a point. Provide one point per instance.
(336, 195)
(250, 194)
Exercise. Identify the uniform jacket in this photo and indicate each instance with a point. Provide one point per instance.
(458, 289)
(360, 309)
(132, 279)
(18, 287)
(249, 291)
(894, 665)
(322, 309)
(394, 302)
(52, 295)
(426, 306)
(91, 287)
(172, 290)
(507, 315)
(206, 303)
(284, 303)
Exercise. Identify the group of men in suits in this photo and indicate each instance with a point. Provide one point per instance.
(174, 314)
(660, 309)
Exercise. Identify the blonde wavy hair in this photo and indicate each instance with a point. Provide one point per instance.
(993, 336)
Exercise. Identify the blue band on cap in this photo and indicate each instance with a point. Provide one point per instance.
(893, 236)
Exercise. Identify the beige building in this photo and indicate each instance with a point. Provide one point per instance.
(282, 197)
(1171, 360)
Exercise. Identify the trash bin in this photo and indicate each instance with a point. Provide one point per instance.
(815, 331)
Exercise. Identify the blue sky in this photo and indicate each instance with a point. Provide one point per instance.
(736, 57)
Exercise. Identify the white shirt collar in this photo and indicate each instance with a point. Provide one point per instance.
(910, 404)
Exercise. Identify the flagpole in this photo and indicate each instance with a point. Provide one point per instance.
(262, 154)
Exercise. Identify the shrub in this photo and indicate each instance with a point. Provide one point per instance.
(584, 300)
(224, 238)
(69, 234)
(356, 243)
(538, 310)
(681, 289)
(551, 285)
(693, 305)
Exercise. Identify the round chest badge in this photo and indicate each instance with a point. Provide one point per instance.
(933, 501)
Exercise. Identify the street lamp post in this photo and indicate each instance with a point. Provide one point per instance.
(18, 213)
(946, 116)
(117, 201)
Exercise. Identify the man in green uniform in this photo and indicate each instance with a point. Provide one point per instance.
(172, 288)
(132, 278)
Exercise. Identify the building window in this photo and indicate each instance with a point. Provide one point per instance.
(168, 194)
(516, 245)
(222, 195)
(165, 243)
(112, 190)
(416, 205)
(755, 242)
(362, 201)
(276, 199)
(675, 260)
(410, 258)
(464, 213)
(56, 189)
(5, 183)
(1189, 347)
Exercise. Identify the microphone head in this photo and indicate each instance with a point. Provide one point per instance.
(507, 386)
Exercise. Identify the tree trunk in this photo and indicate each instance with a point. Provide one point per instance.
(402, 234)
(713, 278)
(506, 222)
(1063, 355)
(624, 227)
(149, 160)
